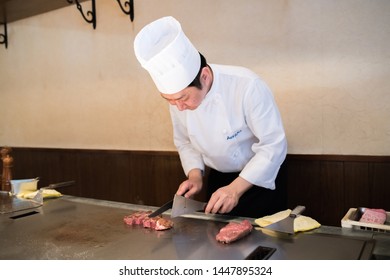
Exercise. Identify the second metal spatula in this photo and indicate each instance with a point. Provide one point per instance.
(182, 205)
(287, 224)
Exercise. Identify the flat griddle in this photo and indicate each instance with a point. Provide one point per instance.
(69, 228)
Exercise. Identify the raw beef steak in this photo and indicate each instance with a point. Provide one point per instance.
(374, 216)
(234, 231)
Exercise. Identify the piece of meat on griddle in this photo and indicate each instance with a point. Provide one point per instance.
(163, 224)
(234, 231)
(142, 218)
(136, 218)
(150, 222)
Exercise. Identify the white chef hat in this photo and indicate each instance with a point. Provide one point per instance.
(167, 54)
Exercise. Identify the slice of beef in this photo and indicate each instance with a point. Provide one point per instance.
(163, 224)
(150, 222)
(158, 223)
(374, 216)
(234, 231)
(129, 220)
(142, 218)
(136, 218)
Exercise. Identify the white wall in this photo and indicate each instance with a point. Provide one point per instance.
(65, 85)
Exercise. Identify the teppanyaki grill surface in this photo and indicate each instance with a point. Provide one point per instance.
(68, 228)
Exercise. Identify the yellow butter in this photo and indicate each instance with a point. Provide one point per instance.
(267, 220)
(46, 193)
(301, 223)
(304, 223)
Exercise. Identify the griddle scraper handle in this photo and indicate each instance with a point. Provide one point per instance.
(297, 210)
(59, 185)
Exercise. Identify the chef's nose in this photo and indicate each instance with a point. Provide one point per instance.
(180, 105)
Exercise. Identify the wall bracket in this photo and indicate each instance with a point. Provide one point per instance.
(130, 5)
(4, 37)
(91, 14)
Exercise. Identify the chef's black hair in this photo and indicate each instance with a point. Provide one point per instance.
(196, 82)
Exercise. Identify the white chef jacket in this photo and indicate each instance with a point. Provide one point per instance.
(236, 128)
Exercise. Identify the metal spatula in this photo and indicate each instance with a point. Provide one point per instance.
(39, 196)
(183, 205)
(287, 224)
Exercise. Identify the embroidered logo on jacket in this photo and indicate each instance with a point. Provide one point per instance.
(230, 137)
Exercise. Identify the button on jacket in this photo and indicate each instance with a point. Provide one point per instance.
(236, 128)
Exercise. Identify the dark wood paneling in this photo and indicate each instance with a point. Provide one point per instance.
(331, 193)
(149, 178)
(357, 184)
(328, 185)
(380, 194)
(314, 184)
(303, 182)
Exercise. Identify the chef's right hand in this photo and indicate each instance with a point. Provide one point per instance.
(226, 198)
(192, 185)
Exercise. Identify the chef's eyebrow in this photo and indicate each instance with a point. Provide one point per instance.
(173, 99)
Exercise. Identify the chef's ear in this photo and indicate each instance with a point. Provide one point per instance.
(206, 73)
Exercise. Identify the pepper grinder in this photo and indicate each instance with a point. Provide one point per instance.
(7, 165)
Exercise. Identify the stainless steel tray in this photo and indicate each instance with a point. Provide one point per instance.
(10, 203)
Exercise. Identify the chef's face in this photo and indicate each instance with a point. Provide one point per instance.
(187, 99)
(191, 97)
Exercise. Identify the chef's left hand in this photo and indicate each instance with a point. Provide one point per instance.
(226, 198)
(192, 185)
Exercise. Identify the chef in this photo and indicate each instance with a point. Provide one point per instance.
(224, 118)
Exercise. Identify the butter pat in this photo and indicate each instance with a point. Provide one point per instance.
(267, 220)
(46, 193)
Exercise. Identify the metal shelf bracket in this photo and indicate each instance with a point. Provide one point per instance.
(91, 14)
(127, 4)
(4, 37)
